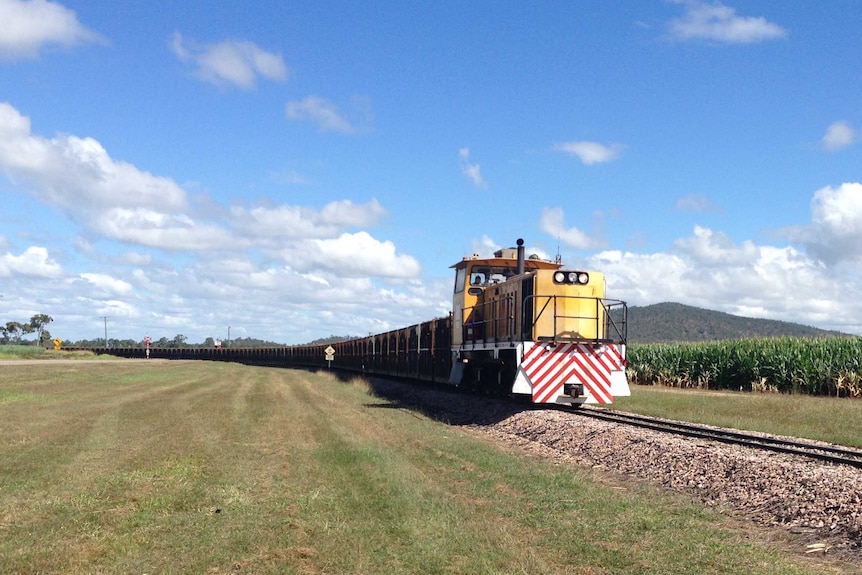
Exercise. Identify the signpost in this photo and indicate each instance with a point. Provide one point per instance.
(330, 355)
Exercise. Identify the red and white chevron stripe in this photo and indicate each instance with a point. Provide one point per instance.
(548, 366)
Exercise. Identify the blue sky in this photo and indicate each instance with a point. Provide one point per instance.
(296, 170)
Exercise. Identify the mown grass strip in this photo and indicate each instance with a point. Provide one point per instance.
(223, 468)
(830, 419)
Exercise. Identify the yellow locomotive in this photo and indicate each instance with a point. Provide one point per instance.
(528, 326)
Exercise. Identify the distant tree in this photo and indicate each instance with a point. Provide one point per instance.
(38, 323)
(333, 339)
(13, 331)
(179, 340)
(249, 342)
(162, 342)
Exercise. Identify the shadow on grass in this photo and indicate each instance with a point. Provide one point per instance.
(442, 402)
(438, 401)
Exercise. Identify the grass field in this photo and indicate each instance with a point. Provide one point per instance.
(38, 352)
(216, 468)
(20, 351)
(832, 419)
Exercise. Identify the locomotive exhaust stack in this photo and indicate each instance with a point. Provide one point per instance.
(520, 243)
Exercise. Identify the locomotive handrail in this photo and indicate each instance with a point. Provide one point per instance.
(609, 320)
(620, 326)
(612, 329)
(484, 326)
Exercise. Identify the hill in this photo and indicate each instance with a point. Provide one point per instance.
(675, 322)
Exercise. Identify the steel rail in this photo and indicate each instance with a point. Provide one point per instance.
(830, 453)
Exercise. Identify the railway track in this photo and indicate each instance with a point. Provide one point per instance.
(828, 453)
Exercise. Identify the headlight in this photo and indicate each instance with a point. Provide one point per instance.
(571, 278)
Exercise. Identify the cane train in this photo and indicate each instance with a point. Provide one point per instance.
(519, 326)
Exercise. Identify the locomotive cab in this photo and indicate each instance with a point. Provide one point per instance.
(483, 305)
(514, 316)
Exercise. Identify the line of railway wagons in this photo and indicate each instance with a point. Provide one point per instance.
(419, 352)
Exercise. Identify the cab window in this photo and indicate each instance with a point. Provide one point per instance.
(460, 279)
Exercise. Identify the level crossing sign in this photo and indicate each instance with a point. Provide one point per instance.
(330, 353)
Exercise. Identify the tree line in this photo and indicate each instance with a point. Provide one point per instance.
(178, 341)
(13, 332)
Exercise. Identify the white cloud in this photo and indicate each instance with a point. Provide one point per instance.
(713, 249)
(26, 26)
(115, 309)
(353, 255)
(590, 152)
(347, 214)
(134, 259)
(472, 171)
(109, 196)
(715, 21)
(838, 135)
(116, 200)
(230, 62)
(34, 263)
(485, 247)
(290, 178)
(697, 203)
(326, 287)
(147, 227)
(298, 222)
(108, 284)
(817, 285)
(285, 266)
(708, 270)
(77, 173)
(552, 222)
(835, 232)
(321, 112)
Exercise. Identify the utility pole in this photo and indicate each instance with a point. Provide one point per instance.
(228, 336)
(106, 329)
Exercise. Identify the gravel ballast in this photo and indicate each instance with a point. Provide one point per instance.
(818, 503)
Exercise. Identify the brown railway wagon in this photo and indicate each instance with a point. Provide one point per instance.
(420, 352)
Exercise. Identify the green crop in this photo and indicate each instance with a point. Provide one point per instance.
(815, 366)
